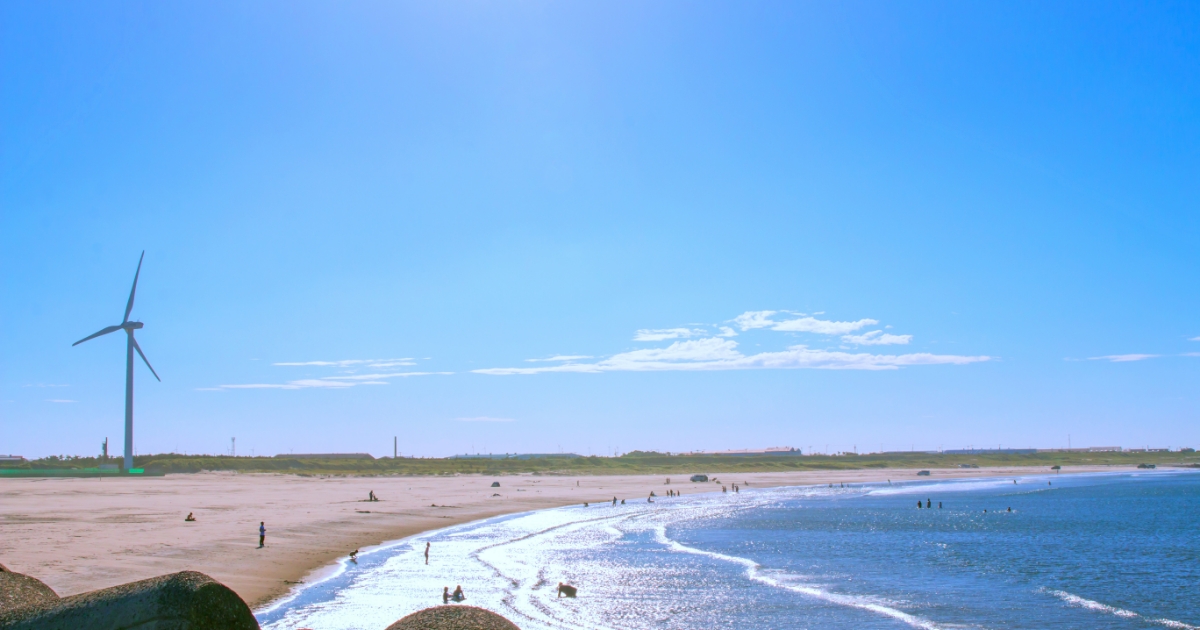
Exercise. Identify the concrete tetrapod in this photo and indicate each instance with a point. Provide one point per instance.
(453, 617)
(187, 600)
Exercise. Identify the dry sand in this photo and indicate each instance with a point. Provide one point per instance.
(82, 534)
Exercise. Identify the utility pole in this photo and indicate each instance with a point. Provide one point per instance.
(395, 445)
(233, 447)
(104, 450)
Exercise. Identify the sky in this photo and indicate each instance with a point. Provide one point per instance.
(599, 227)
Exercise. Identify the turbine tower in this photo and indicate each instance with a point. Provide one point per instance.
(131, 344)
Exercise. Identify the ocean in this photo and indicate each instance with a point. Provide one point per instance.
(1119, 550)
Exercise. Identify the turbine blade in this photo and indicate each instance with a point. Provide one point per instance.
(129, 306)
(141, 354)
(94, 335)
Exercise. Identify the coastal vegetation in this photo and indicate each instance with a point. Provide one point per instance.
(634, 463)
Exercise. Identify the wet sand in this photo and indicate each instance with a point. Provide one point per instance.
(82, 534)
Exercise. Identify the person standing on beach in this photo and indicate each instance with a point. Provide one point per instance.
(262, 534)
(427, 554)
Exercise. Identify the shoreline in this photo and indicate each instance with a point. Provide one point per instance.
(78, 535)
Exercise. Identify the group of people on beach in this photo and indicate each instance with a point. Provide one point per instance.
(457, 595)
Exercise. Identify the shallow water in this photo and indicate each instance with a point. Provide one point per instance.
(1089, 551)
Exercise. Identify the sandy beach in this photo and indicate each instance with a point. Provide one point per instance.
(82, 534)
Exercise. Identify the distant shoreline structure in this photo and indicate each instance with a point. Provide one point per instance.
(771, 450)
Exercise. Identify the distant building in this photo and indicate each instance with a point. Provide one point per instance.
(990, 451)
(326, 456)
(11, 459)
(773, 450)
(516, 456)
(1090, 449)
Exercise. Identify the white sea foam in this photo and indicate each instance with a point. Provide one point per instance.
(754, 572)
(512, 565)
(1075, 600)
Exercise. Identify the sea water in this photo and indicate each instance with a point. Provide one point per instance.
(1076, 551)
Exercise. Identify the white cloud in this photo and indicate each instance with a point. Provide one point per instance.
(561, 357)
(722, 354)
(877, 338)
(1124, 358)
(1191, 354)
(727, 332)
(60, 400)
(1194, 339)
(661, 334)
(754, 319)
(375, 363)
(762, 319)
(821, 326)
(486, 419)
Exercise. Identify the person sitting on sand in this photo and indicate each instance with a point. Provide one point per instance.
(190, 518)
(458, 595)
(566, 589)
(445, 594)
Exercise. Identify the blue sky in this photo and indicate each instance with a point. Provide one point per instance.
(592, 227)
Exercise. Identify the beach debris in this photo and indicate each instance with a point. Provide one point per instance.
(495, 484)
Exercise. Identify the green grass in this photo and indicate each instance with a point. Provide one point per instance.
(630, 464)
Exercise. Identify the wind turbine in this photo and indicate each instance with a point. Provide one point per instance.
(131, 344)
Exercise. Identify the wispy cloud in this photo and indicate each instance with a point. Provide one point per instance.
(1124, 358)
(327, 382)
(1191, 354)
(307, 383)
(722, 354)
(60, 400)
(373, 363)
(751, 320)
(348, 377)
(662, 334)
(486, 419)
(1194, 339)
(877, 338)
(561, 357)
(377, 377)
